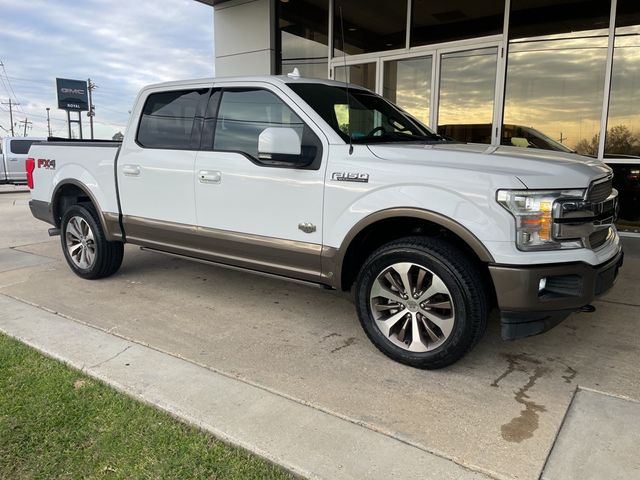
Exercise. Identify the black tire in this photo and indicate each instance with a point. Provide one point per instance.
(108, 255)
(467, 292)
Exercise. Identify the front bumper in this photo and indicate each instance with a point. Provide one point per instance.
(533, 299)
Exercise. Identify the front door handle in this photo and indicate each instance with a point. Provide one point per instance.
(131, 170)
(209, 176)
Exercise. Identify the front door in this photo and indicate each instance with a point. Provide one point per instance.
(255, 212)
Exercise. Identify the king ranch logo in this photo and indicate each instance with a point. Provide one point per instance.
(46, 163)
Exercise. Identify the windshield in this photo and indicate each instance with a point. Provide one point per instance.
(368, 117)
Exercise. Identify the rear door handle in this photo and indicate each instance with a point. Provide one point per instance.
(209, 176)
(131, 170)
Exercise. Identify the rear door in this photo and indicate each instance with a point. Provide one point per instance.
(256, 212)
(156, 162)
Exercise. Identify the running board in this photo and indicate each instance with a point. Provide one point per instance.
(239, 269)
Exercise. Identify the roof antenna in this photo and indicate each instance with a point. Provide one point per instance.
(346, 82)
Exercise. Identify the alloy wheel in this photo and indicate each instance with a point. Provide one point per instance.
(412, 307)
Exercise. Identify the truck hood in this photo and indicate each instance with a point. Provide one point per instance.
(535, 168)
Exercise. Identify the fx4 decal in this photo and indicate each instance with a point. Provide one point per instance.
(46, 163)
(350, 177)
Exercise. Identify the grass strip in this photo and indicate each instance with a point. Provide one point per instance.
(58, 423)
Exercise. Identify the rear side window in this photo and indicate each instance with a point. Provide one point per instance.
(20, 147)
(244, 114)
(167, 119)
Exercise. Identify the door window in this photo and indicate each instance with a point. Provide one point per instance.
(244, 114)
(167, 119)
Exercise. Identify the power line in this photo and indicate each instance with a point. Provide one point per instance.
(10, 86)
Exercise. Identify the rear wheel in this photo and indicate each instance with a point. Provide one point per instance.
(422, 302)
(86, 249)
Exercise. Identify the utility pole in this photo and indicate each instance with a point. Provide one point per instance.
(26, 123)
(48, 122)
(11, 105)
(92, 111)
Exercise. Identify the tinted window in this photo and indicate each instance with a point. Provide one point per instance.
(369, 26)
(244, 114)
(167, 119)
(304, 36)
(556, 71)
(21, 147)
(435, 22)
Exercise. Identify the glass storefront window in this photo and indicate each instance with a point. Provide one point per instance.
(622, 143)
(555, 79)
(304, 40)
(467, 90)
(363, 74)
(369, 26)
(436, 22)
(623, 126)
(407, 83)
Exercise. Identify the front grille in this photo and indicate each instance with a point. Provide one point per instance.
(600, 190)
(596, 239)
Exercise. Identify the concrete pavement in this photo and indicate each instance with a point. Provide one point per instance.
(498, 411)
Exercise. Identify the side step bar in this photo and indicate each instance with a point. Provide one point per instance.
(238, 269)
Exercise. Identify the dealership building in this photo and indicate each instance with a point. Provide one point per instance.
(552, 74)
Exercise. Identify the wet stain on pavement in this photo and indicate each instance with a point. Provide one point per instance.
(514, 362)
(332, 334)
(349, 341)
(523, 426)
(570, 374)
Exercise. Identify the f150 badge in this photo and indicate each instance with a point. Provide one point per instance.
(46, 163)
(350, 177)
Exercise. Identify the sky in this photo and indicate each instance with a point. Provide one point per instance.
(121, 45)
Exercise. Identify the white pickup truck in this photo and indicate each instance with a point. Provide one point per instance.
(317, 182)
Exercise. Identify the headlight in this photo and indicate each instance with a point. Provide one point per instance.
(533, 211)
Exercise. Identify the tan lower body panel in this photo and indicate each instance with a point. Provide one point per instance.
(287, 258)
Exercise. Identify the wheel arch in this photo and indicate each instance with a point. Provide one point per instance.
(71, 191)
(391, 224)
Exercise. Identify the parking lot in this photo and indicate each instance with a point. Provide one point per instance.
(497, 411)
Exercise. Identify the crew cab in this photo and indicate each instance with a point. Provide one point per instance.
(331, 184)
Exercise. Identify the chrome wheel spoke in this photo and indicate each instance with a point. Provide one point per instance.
(393, 281)
(74, 248)
(432, 335)
(443, 323)
(437, 287)
(379, 290)
(417, 342)
(386, 325)
(402, 269)
(72, 228)
(402, 333)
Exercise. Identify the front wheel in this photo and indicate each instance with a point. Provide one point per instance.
(422, 302)
(86, 249)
